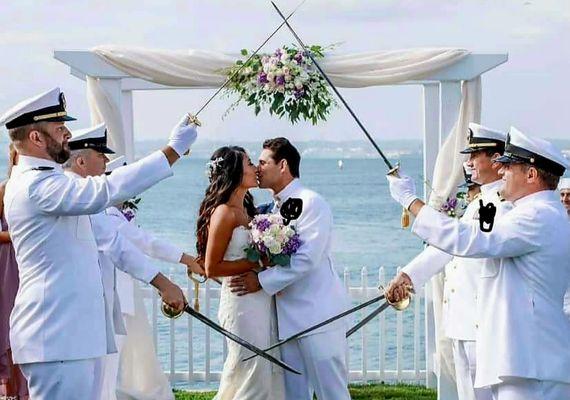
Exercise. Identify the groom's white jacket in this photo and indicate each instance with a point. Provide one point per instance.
(308, 290)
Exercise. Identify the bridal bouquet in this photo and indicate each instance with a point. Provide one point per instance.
(271, 238)
(286, 82)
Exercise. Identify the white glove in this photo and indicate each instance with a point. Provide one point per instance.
(182, 136)
(402, 189)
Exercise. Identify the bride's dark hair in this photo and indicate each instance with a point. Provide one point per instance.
(225, 171)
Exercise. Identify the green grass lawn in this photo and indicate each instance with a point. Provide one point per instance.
(358, 392)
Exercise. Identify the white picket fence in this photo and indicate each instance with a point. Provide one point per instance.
(383, 350)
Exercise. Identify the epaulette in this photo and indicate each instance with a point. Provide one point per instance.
(42, 168)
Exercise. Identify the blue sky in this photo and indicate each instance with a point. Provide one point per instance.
(530, 91)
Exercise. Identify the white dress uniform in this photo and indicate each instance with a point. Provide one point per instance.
(309, 291)
(462, 274)
(523, 345)
(57, 326)
(130, 376)
(565, 185)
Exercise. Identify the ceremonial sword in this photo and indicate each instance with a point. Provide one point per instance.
(391, 169)
(321, 324)
(399, 306)
(242, 342)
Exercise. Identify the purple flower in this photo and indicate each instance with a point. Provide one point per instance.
(263, 225)
(298, 57)
(280, 80)
(292, 245)
(262, 78)
(278, 53)
(129, 214)
(298, 93)
(452, 203)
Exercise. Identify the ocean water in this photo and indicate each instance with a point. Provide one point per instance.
(367, 233)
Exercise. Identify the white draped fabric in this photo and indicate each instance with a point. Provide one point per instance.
(205, 69)
(447, 175)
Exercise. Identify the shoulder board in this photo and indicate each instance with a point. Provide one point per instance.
(42, 169)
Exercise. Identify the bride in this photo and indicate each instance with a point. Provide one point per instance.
(222, 237)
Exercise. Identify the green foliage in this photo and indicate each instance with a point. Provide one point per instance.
(285, 83)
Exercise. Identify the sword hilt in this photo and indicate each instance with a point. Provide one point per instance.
(404, 303)
(170, 312)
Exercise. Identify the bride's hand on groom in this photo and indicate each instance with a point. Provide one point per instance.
(245, 283)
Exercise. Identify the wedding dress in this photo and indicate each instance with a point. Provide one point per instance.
(252, 317)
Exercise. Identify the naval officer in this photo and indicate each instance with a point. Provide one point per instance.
(523, 346)
(57, 326)
(116, 248)
(462, 274)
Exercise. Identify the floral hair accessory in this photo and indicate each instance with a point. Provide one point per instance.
(212, 166)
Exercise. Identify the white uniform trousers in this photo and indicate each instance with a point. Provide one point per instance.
(61, 380)
(321, 359)
(530, 389)
(107, 372)
(465, 368)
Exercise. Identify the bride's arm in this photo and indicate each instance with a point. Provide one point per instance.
(222, 225)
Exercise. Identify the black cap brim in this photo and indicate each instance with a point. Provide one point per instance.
(105, 150)
(505, 159)
(469, 150)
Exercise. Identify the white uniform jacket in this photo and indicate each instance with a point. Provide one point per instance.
(308, 290)
(115, 250)
(59, 311)
(154, 247)
(522, 329)
(462, 275)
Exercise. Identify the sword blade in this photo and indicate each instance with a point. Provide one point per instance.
(367, 319)
(202, 318)
(228, 80)
(333, 87)
(321, 324)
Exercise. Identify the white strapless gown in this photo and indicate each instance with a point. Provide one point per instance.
(253, 318)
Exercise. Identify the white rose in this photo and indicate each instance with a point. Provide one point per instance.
(270, 77)
(298, 84)
(275, 249)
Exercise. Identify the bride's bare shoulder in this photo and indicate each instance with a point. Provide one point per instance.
(224, 214)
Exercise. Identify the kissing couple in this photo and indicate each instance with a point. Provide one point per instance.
(271, 304)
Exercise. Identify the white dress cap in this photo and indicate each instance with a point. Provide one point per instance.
(481, 137)
(94, 138)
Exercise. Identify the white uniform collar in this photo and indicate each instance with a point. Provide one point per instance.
(29, 162)
(491, 187)
(543, 195)
(288, 190)
(72, 174)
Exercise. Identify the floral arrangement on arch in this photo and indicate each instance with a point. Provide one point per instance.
(286, 83)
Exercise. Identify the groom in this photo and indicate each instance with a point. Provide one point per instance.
(308, 290)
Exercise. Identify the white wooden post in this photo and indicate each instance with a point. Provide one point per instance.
(112, 87)
(128, 124)
(431, 120)
(450, 101)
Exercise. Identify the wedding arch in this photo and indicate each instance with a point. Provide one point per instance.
(451, 81)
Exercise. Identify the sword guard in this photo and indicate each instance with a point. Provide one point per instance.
(170, 312)
(192, 119)
(404, 303)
